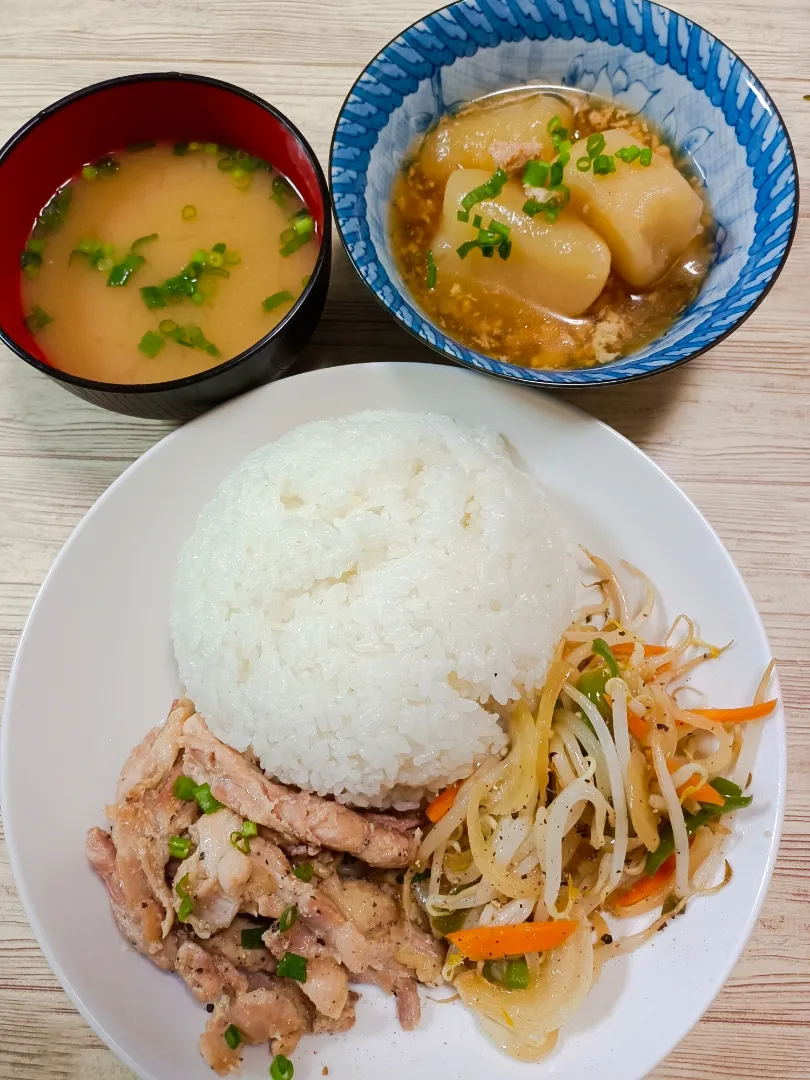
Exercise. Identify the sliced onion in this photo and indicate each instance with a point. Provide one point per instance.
(676, 819)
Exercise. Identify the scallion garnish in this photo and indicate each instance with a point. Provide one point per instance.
(595, 145)
(535, 174)
(37, 319)
(303, 223)
(232, 258)
(287, 919)
(202, 794)
(271, 302)
(179, 847)
(488, 190)
(280, 190)
(281, 1068)
(89, 172)
(604, 164)
(240, 842)
(186, 903)
(123, 271)
(292, 966)
(555, 174)
(139, 243)
(431, 270)
(293, 245)
(252, 937)
(233, 1036)
(150, 344)
(250, 828)
(645, 157)
(304, 871)
(219, 249)
(628, 154)
(305, 280)
(477, 221)
(583, 164)
(184, 787)
(168, 326)
(189, 212)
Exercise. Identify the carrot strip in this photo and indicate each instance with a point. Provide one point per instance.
(496, 942)
(736, 716)
(442, 803)
(645, 886)
(625, 648)
(707, 794)
(637, 726)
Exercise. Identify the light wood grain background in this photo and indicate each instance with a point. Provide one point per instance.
(732, 428)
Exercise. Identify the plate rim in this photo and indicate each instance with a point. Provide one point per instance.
(327, 374)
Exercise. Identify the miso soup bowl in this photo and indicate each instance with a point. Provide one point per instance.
(170, 106)
(641, 55)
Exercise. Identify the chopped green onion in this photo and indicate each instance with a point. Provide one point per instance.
(123, 271)
(233, 1036)
(431, 270)
(226, 164)
(184, 786)
(220, 249)
(564, 151)
(141, 241)
(197, 297)
(252, 937)
(488, 190)
(555, 174)
(292, 966)
(499, 227)
(601, 648)
(232, 258)
(280, 189)
(281, 1068)
(200, 256)
(37, 246)
(186, 903)
(215, 259)
(105, 264)
(289, 916)
(532, 207)
(463, 215)
(583, 164)
(210, 148)
(505, 249)
(287, 235)
(180, 149)
(241, 843)
(89, 172)
(150, 344)
(106, 166)
(303, 223)
(250, 828)
(726, 787)
(274, 301)
(153, 296)
(305, 280)
(205, 800)
(189, 212)
(168, 326)
(595, 145)
(554, 124)
(30, 260)
(604, 164)
(37, 319)
(628, 154)
(535, 174)
(304, 871)
(477, 221)
(645, 157)
(179, 847)
(293, 245)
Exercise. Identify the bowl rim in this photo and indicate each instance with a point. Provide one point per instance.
(213, 372)
(515, 372)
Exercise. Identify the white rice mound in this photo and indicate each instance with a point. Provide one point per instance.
(358, 590)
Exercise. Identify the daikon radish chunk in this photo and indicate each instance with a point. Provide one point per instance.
(561, 267)
(503, 135)
(647, 215)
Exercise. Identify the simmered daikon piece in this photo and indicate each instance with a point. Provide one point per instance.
(648, 215)
(561, 267)
(503, 135)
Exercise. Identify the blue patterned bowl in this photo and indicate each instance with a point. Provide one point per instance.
(640, 54)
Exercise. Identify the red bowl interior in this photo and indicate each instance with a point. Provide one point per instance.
(54, 146)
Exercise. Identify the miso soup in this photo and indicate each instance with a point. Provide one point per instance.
(163, 260)
(550, 228)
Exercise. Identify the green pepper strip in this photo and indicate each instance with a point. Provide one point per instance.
(601, 648)
(693, 822)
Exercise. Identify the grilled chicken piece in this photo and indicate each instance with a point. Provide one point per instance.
(150, 761)
(228, 944)
(209, 977)
(140, 923)
(325, 1024)
(295, 815)
(217, 873)
(271, 1011)
(212, 1043)
(409, 1011)
(327, 986)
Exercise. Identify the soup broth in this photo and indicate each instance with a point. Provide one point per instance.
(601, 237)
(160, 262)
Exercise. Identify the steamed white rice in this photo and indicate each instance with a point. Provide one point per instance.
(356, 591)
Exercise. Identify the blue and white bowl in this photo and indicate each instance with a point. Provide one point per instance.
(640, 54)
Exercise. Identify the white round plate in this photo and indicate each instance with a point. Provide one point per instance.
(94, 672)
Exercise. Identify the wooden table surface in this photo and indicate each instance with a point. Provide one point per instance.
(732, 428)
